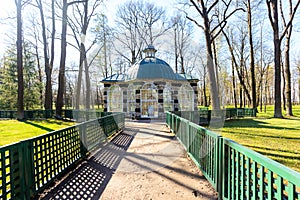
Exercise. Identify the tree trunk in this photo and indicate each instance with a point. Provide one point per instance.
(48, 69)
(252, 61)
(40, 78)
(233, 84)
(176, 50)
(61, 76)
(261, 67)
(49, 78)
(105, 53)
(215, 61)
(288, 88)
(214, 91)
(277, 77)
(204, 91)
(133, 57)
(182, 64)
(241, 97)
(88, 85)
(283, 87)
(20, 113)
(82, 57)
(273, 16)
(79, 79)
(266, 89)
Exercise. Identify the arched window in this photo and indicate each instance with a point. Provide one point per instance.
(168, 102)
(149, 100)
(131, 98)
(186, 98)
(115, 99)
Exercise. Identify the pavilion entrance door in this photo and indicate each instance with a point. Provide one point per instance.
(149, 103)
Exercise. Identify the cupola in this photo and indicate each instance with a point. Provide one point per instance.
(150, 51)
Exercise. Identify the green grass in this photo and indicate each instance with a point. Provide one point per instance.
(12, 131)
(278, 139)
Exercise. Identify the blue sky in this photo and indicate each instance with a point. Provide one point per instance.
(7, 8)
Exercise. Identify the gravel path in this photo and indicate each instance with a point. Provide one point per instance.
(143, 162)
(156, 166)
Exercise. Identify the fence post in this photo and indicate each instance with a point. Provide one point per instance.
(220, 168)
(188, 136)
(83, 144)
(27, 169)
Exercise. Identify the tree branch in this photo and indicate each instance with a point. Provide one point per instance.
(218, 33)
(94, 57)
(270, 13)
(212, 6)
(225, 21)
(291, 21)
(199, 25)
(73, 2)
(197, 8)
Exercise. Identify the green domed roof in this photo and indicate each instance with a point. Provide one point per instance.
(151, 68)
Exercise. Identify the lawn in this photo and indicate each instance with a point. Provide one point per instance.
(278, 139)
(12, 131)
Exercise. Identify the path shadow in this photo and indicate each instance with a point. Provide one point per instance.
(253, 123)
(90, 179)
(38, 126)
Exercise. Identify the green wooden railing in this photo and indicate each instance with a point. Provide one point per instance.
(29, 166)
(235, 171)
(204, 116)
(77, 115)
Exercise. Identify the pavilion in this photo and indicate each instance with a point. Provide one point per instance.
(149, 89)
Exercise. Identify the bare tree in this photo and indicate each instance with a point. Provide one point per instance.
(277, 39)
(104, 36)
(47, 62)
(35, 44)
(79, 23)
(135, 22)
(252, 61)
(128, 30)
(62, 65)
(288, 87)
(208, 11)
(238, 59)
(48, 91)
(151, 15)
(182, 34)
(19, 5)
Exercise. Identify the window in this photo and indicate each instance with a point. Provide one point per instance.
(115, 99)
(149, 99)
(186, 98)
(131, 98)
(168, 102)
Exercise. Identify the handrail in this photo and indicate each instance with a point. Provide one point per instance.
(29, 166)
(235, 171)
(77, 115)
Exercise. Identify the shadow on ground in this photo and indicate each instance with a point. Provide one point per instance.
(38, 126)
(89, 180)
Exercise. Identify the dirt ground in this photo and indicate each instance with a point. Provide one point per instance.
(155, 166)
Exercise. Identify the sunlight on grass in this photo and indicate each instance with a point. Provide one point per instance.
(12, 131)
(279, 139)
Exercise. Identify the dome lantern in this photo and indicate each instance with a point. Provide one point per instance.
(150, 51)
